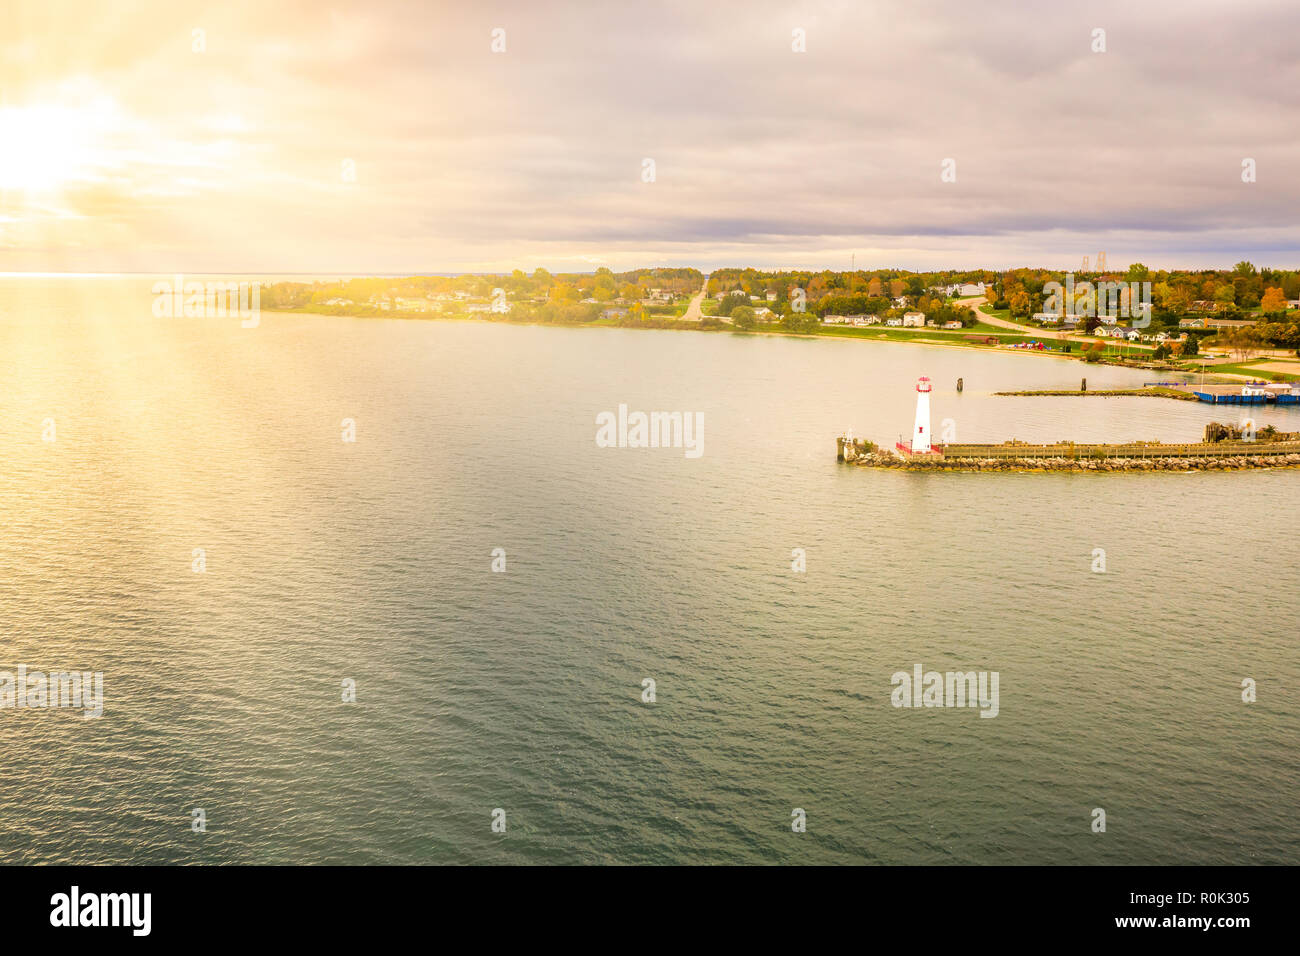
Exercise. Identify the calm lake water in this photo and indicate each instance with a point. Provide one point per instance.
(371, 561)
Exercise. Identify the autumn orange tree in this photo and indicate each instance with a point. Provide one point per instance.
(1274, 300)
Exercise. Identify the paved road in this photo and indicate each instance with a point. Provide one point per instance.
(975, 302)
(693, 313)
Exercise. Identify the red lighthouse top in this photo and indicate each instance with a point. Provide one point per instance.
(923, 384)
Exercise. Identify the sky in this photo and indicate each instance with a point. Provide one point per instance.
(391, 137)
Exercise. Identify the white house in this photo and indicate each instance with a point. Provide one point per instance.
(913, 320)
(771, 297)
(1101, 331)
(952, 325)
(1132, 335)
(894, 322)
(1047, 318)
(971, 288)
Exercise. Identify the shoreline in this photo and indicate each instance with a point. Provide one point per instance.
(680, 326)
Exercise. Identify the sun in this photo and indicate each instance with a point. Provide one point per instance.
(45, 148)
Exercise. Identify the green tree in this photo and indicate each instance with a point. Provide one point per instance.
(732, 302)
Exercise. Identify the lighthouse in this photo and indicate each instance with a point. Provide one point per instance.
(921, 433)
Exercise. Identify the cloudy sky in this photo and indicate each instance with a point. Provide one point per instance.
(389, 137)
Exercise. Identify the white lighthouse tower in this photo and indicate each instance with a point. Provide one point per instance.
(921, 433)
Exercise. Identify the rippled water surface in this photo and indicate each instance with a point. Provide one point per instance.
(521, 690)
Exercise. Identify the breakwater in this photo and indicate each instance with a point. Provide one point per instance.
(1150, 392)
(1093, 465)
(1225, 455)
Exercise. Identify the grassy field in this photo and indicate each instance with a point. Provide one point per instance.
(1241, 368)
(910, 335)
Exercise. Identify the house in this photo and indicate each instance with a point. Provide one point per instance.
(1109, 319)
(834, 319)
(478, 307)
(1102, 332)
(894, 322)
(1132, 335)
(952, 325)
(1161, 337)
(971, 288)
(763, 312)
(1047, 318)
(613, 313)
(338, 302)
(1203, 305)
(660, 295)
(1191, 323)
(771, 297)
(913, 320)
